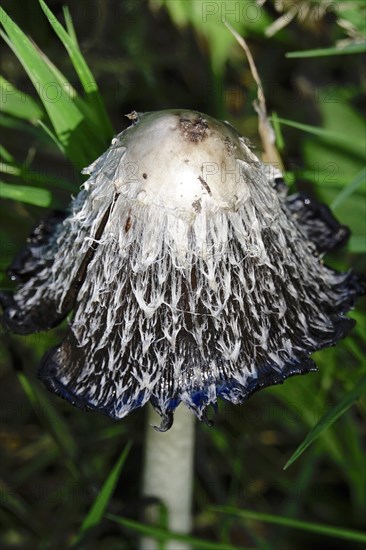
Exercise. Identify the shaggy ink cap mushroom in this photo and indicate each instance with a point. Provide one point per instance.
(190, 273)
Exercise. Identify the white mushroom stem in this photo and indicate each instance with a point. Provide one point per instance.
(168, 473)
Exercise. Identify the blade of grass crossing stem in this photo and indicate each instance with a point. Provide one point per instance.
(328, 419)
(325, 52)
(18, 104)
(67, 120)
(49, 417)
(328, 530)
(349, 189)
(97, 511)
(84, 73)
(27, 194)
(164, 535)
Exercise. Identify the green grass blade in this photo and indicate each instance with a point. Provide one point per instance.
(328, 530)
(69, 23)
(67, 119)
(52, 137)
(12, 502)
(349, 189)
(328, 419)
(34, 467)
(49, 417)
(326, 52)
(84, 73)
(357, 244)
(315, 130)
(53, 424)
(63, 113)
(320, 176)
(277, 129)
(89, 113)
(5, 155)
(23, 193)
(35, 177)
(93, 144)
(18, 104)
(164, 535)
(13, 123)
(333, 137)
(97, 511)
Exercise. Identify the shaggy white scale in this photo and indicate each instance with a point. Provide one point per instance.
(191, 274)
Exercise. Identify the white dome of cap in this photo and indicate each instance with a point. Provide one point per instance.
(184, 161)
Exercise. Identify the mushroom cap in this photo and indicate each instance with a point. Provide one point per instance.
(191, 275)
(182, 159)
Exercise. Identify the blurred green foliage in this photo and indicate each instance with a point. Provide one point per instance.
(155, 55)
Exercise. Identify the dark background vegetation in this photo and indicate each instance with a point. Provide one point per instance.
(159, 55)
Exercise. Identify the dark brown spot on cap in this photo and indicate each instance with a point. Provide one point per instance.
(197, 206)
(144, 175)
(128, 224)
(195, 129)
(205, 185)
